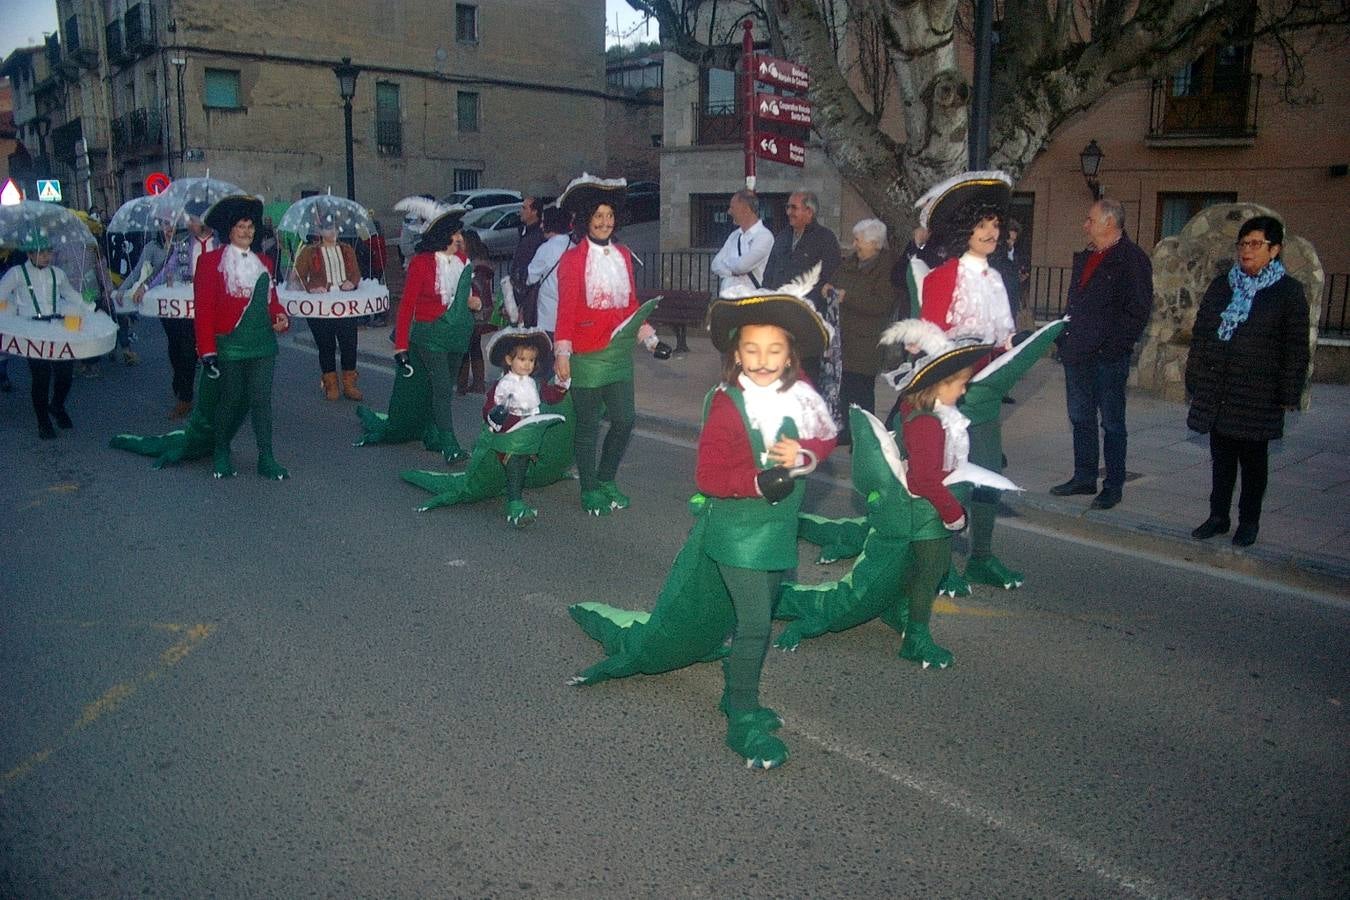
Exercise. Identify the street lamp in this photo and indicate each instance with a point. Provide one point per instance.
(1090, 160)
(346, 75)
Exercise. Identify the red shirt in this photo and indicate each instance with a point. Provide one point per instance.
(218, 311)
(726, 461)
(1090, 265)
(420, 300)
(925, 442)
(588, 329)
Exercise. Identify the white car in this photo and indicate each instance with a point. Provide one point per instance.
(480, 198)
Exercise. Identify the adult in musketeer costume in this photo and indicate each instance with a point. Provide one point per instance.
(36, 290)
(764, 426)
(431, 336)
(238, 317)
(965, 297)
(598, 316)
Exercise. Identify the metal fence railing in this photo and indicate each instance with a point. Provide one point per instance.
(1335, 318)
(678, 270)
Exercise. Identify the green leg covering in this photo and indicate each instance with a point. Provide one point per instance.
(931, 559)
(260, 372)
(193, 441)
(515, 468)
(871, 586)
(692, 617)
(837, 538)
(621, 411)
(230, 412)
(588, 403)
(986, 449)
(614, 401)
(752, 594)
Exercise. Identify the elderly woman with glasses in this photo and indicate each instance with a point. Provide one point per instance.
(867, 301)
(1248, 364)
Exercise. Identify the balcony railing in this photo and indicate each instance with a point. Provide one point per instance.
(718, 124)
(64, 138)
(1047, 292)
(138, 134)
(679, 270)
(1218, 107)
(389, 137)
(139, 27)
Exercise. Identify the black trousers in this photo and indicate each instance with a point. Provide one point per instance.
(182, 355)
(855, 389)
(50, 380)
(330, 333)
(1226, 455)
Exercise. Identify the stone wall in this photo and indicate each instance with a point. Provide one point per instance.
(1183, 267)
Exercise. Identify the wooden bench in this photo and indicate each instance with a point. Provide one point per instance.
(679, 310)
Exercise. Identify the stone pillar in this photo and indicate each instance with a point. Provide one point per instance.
(1183, 267)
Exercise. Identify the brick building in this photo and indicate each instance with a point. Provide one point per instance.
(449, 95)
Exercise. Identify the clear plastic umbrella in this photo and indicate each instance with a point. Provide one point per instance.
(192, 197)
(310, 216)
(143, 215)
(31, 221)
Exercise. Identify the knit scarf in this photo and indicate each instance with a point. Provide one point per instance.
(1244, 288)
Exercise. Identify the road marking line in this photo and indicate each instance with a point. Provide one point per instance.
(115, 696)
(1023, 831)
(1252, 581)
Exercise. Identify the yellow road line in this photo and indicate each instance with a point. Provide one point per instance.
(948, 607)
(116, 695)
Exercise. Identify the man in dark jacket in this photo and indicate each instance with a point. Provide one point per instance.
(1110, 297)
(801, 245)
(796, 249)
(531, 237)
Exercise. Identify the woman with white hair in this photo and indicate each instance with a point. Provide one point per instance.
(867, 300)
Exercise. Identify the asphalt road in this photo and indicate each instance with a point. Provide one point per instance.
(248, 688)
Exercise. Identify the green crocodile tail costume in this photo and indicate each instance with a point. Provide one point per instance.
(895, 517)
(409, 417)
(196, 439)
(692, 618)
(547, 437)
(985, 393)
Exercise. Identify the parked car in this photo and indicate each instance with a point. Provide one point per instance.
(480, 198)
(643, 202)
(498, 226)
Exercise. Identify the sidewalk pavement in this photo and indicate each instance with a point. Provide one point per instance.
(1305, 525)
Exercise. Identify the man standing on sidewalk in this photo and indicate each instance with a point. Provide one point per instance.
(1110, 296)
(531, 237)
(798, 247)
(741, 261)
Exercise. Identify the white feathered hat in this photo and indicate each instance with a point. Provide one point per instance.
(785, 306)
(926, 355)
(940, 203)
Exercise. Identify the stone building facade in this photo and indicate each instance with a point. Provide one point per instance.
(449, 95)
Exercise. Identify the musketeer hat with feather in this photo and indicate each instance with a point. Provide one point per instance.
(922, 355)
(939, 205)
(228, 211)
(440, 221)
(785, 306)
(583, 194)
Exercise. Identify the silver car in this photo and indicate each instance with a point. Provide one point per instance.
(498, 226)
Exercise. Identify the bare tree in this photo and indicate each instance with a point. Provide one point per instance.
(1056, 59)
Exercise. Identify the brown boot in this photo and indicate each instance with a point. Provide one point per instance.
(349, 388)
(478, 386)
(330, 386)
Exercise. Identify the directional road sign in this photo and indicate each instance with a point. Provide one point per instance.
(773, 108)
(781, 72)
(780, 149)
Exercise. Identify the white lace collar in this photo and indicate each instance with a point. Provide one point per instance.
(766, 408)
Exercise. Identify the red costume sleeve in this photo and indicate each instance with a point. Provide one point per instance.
(821, 447)
(924, 443)
(207, 285)
(726, 462)
(939, 286)
(421, 278)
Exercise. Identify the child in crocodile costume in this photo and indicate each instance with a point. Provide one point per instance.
(896, 518)
(759, 427)
(525, 441)
(434, 326)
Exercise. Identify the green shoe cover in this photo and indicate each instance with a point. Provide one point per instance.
(596, 502)
(954, 584)
(617, 498)
(454, 454)
(759, 749)
(270, 468)
(764, 719)
(919, 647)
(222, 467)
(988, 570)
(520, 515)
(897, 616)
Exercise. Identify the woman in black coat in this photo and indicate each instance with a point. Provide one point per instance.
(1248, 364)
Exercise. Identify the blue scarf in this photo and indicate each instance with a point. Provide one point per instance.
(1244, 288)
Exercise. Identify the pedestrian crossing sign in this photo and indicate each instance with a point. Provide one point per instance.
(49, 190)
